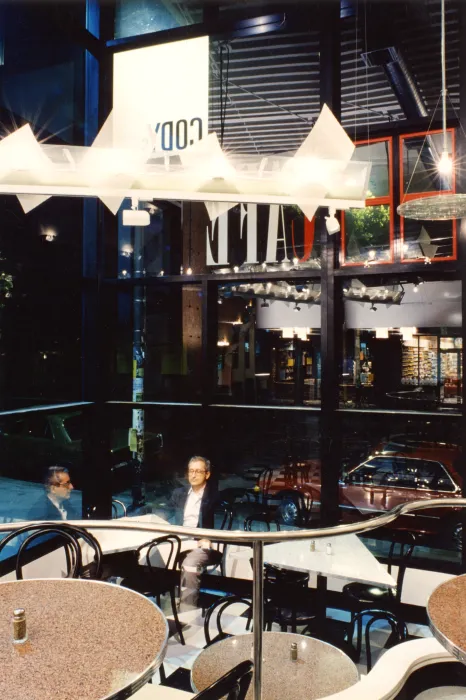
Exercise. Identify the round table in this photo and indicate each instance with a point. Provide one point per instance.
(87, 640)
(321, 669)
(446, 609)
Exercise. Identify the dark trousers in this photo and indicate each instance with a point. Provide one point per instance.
(192, 568)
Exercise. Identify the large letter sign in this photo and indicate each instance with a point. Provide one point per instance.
(165, 87)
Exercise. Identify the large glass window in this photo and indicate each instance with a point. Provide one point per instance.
(367, 234)
(30, 443)
(395, 458)
(156, 351)
(268, 345)
(402, 347)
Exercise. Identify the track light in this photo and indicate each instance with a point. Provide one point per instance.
(297, 308)
(264, 304)
(219, 301)
(331, 221)
(416, 287)
(373, 307)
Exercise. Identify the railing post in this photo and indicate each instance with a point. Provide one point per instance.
(258, 614)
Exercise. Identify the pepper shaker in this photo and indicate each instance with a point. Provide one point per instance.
(294, 651)
(328, 548)
(19, 626)
(313, 546)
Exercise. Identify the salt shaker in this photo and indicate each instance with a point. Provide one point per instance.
(328, 548)
(294, 651)
(19, 626)
(313, 546)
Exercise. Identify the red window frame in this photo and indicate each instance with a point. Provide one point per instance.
(374, 201)
(418, 195)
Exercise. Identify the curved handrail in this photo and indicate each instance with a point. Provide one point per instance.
(243, 536)
(258, 539)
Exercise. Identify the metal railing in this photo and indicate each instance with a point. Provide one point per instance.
(258, 539)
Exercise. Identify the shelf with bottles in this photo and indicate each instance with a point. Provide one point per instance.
(286, 363)
(410, 362)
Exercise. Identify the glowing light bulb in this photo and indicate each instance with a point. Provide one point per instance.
(445, 164)
(236, 268)
(189, 271)
(295, 261)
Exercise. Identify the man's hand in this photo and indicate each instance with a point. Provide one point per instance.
(204, 544)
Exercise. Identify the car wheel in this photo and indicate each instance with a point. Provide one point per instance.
(288, 513)
(457, 536)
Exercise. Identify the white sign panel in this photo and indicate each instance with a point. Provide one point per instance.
(165, 88)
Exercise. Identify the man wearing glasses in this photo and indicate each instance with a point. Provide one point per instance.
(54, 504)
(194, 506)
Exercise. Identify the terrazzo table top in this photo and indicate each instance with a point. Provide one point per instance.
(447, 616)
(321, 669)
(87, 640)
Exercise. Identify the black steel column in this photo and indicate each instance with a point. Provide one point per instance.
(331, 297)
(95, 314)
(461, 187)
(209, 360)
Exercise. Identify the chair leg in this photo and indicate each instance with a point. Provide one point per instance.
(175, 615)
(249, 620)
(163, 676)
(359, 638)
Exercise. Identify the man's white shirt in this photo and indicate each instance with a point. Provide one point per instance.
(58, 506)
(192, 508)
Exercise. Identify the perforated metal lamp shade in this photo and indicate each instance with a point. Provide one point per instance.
(443, 207)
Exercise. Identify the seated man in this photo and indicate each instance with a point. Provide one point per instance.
(194, 507)
(53, 504)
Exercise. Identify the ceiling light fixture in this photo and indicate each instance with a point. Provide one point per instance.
(373, 307)
(442, 207)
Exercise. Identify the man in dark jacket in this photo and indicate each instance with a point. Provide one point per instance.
(194, 506)
(54, 504)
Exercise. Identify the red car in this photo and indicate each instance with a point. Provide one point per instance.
(398, 471)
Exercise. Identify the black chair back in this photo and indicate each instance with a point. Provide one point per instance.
(94, 569)
(265, 517)
(400, 553)
(293, 508)
(75, 568)
(264, 482)
(233, 685)
(399, 631)
(218, 608)
(171, 561)
(71, 547)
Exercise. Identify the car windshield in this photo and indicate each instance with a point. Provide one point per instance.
(74, 427)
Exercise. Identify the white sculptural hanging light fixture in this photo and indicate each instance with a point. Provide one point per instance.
(446, 206)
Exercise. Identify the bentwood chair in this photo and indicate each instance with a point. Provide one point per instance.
(261, 521)
(287, 596)
(54, 536)
(214, 615)
(155, 581)
(362, 596)
(293, 508)
(399, 632)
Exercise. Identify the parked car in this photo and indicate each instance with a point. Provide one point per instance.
(398, 471)
(30, 442)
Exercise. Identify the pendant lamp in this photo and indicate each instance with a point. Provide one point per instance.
(442, 207)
